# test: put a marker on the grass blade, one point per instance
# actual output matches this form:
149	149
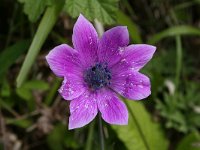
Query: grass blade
174	31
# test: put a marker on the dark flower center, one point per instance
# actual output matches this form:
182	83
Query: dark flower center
97	76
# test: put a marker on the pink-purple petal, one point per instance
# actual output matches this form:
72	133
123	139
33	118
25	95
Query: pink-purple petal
132	85
72	87
83	110
112	109
85	41
63	60
111	44
138	55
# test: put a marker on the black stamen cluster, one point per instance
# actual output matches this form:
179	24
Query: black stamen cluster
98	76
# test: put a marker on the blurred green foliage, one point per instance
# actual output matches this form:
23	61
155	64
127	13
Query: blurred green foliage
182	110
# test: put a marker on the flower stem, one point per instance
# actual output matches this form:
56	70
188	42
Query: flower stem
90	136
46	24
100	29
101	135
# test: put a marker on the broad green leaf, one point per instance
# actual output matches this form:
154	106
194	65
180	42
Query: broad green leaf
10	55
103	10
174	31
45	27
141	133
190	142
123	19
34	8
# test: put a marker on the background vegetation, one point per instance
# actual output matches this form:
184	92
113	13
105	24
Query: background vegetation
32	113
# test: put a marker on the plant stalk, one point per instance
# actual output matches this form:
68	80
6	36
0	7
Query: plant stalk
90	136
101	135
100	29
44	28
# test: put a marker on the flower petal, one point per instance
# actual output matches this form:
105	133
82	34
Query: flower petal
85	40
63	60
111	43
132	85
113	110
72	87
83	110
138	55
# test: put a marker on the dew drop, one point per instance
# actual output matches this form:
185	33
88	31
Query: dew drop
90	40
140	86
86	105
123	60
133	68
121	49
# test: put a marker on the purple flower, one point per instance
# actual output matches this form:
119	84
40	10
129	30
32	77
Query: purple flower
96	70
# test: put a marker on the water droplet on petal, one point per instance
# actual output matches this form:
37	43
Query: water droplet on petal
90	40
140	86
121	49
86	106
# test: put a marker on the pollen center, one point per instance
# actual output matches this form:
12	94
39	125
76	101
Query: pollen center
97	76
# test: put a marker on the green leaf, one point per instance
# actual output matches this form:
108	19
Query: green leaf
25	91
190	142
34	8
141	133
45	27
123	19
23	123
103	10
6	89
174	31
10	55
36	84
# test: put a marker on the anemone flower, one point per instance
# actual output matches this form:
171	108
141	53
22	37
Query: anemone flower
97	70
